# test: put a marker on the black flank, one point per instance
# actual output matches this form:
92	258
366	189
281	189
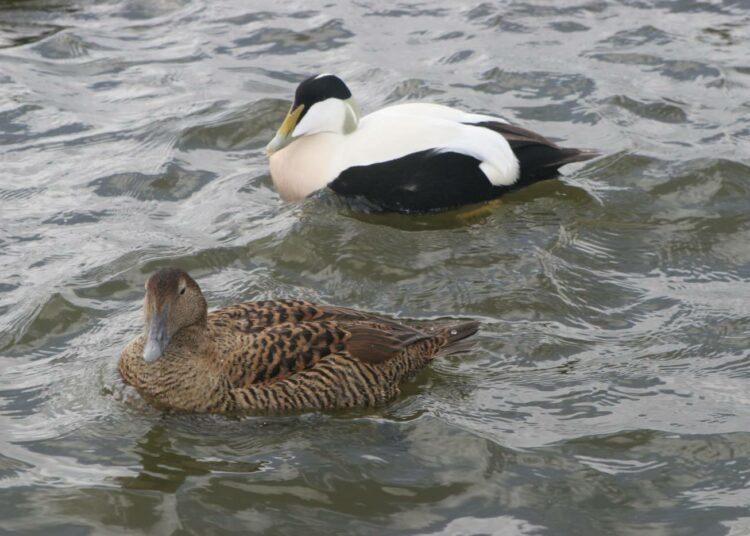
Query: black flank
419	182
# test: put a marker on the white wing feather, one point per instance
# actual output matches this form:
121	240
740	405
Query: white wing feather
400	130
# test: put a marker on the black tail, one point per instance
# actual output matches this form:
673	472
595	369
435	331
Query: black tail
538	157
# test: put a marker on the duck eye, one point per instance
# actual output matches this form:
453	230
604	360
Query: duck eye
182	291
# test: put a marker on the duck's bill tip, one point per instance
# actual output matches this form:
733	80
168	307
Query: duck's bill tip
152	351
275	144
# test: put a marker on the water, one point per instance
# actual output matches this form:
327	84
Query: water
608	390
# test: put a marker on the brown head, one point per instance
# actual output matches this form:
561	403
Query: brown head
173	302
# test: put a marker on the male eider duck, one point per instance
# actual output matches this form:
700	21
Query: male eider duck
270	356
406	158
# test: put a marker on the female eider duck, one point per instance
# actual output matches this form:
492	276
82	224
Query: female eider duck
406	158
270	356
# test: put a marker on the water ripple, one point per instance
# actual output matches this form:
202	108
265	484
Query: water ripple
607	389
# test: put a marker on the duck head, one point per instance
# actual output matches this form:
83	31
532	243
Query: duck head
173	301
322	103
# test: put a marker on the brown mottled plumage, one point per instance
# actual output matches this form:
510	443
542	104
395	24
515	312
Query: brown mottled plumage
270	356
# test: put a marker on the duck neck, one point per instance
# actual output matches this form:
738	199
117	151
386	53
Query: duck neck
195	339
351	118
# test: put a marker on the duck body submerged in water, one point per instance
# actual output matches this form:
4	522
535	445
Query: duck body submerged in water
407	157
271	356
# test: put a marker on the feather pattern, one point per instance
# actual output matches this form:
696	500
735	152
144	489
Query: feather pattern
284	355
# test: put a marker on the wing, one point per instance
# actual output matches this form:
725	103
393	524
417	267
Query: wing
253	317
464	167
539	158
401	131
250	317
371	343
278	352
417	158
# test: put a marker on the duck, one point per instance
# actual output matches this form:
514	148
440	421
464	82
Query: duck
413	157
272	356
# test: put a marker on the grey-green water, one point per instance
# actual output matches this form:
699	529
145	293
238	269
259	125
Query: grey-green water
608	392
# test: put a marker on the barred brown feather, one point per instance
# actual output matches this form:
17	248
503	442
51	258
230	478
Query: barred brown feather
276	355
